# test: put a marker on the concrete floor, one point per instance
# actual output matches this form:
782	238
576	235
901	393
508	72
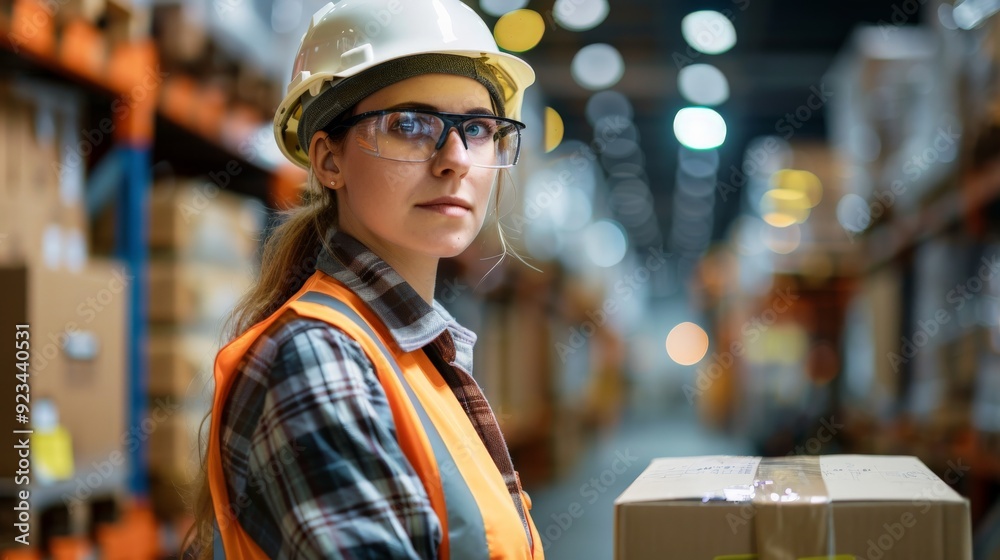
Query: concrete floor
593	485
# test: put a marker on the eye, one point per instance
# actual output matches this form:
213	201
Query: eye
410	125
480	129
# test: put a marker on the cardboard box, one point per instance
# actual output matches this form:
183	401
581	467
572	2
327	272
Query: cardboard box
792	508
42	214
89	10
180	32
196	220
42	233
174	459
173	444
31	146
180	364
77	351
194	294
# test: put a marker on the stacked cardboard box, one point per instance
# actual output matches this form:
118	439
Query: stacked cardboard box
203	242
77	332
42	212
74	305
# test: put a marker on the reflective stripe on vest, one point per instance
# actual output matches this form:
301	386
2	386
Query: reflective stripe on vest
218	551
466	532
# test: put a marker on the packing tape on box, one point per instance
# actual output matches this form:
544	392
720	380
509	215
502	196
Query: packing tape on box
790	499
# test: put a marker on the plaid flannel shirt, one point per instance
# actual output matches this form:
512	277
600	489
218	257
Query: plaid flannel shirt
309	448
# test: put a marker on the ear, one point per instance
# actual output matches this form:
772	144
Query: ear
324	154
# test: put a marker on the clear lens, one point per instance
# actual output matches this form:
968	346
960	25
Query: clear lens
414	136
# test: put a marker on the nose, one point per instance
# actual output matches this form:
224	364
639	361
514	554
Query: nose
452	158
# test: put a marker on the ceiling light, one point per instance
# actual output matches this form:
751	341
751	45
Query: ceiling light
580	15
497	8
703	84
700	128
519	31
708	31
597	66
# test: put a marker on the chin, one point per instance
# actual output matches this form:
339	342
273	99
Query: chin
449	251
447	248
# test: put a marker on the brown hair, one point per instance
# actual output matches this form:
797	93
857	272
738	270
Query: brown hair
288	260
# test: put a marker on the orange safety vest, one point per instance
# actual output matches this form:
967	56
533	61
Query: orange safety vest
466	490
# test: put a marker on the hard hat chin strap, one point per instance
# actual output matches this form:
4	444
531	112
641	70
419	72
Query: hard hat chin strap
318	112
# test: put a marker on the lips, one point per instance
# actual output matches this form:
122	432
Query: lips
447	201
448	206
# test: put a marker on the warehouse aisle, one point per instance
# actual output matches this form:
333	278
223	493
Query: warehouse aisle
576	515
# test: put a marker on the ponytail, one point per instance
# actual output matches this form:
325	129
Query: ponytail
288	260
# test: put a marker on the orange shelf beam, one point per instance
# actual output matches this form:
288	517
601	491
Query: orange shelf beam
134	72
83	50
32	28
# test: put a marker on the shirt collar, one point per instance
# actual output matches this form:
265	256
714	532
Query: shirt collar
411	321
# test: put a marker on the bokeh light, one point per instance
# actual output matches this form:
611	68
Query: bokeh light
554	129
703	84
597	66
580	15
780	219
572	210
605	243
698	163
520	30
783	240
608	104
853	213
708	31
699	128
799	181
687	344
784	207
497	8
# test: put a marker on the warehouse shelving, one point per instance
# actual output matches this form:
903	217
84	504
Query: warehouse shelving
969	196
173	119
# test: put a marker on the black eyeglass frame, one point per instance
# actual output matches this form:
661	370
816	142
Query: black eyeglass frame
450	120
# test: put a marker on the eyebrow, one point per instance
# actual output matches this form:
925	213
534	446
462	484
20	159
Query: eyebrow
428	107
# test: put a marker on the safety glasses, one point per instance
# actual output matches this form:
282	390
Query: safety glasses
416	135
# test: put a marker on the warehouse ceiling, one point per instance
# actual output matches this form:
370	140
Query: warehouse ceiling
782	51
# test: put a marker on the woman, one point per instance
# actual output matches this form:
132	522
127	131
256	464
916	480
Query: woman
346	423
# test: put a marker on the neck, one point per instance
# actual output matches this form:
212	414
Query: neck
419	271
420	274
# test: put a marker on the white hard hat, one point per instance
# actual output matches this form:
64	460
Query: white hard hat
348	37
